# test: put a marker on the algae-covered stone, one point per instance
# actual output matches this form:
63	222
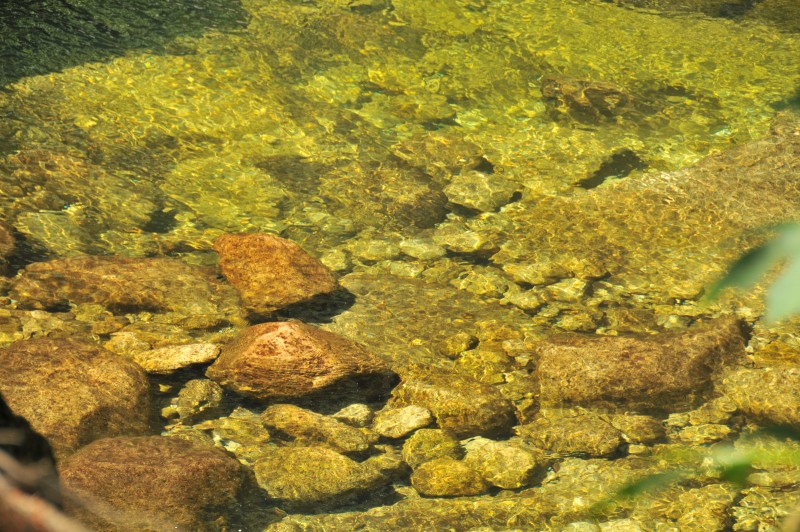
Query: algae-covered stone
399	422
151	483
503	464
446	477
307	427
271	272
427	444
292	359
479	191
169	359
241	433
572	431
768	395
311	478
128	285
462	405
198	397
355	415
665	372
638	429
73	392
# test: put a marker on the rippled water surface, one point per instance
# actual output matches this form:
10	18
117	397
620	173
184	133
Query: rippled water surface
523	155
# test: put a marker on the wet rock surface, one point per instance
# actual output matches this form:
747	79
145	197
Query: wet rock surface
169	359
572	431
73	391
191	295
766	395
399	422
427	444
667	371
446	477
292	359
308	428
504	464
313	478
461	405
271	272
152	483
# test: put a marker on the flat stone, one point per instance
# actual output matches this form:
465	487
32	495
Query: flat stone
503	464
307	427
355	415
152	483
312	478
166	360
568	431
481	192
399	422
125	285
292	359
271	272
668	371
73	392
447	477
460	404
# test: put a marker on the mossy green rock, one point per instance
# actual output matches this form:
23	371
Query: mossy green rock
428	444
311	478
308	428
447	477
461	405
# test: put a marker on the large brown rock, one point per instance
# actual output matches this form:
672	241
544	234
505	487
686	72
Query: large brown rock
292	359
151	483
124	285
73	392
271	272
461	405
669	371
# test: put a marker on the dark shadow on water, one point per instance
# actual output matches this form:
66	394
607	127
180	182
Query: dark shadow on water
321	308
41	36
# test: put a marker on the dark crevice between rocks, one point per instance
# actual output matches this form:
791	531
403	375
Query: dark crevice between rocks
161	221
619	165
25	252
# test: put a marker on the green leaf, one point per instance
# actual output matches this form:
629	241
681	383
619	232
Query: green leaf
783	297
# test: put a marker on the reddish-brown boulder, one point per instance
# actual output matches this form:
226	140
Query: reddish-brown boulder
123	285
292	359
271	272
73	392
151	483
667	371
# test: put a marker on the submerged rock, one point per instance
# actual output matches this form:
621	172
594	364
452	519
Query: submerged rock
504	464
447	477
669	371
292	359
572	431
6	241
399	422
73	392
271	272
169	359
313	478
460	404
128	285
428	444
198	397
151	483
767	395
307	427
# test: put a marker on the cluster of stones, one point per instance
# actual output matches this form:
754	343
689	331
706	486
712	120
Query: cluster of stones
443	432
